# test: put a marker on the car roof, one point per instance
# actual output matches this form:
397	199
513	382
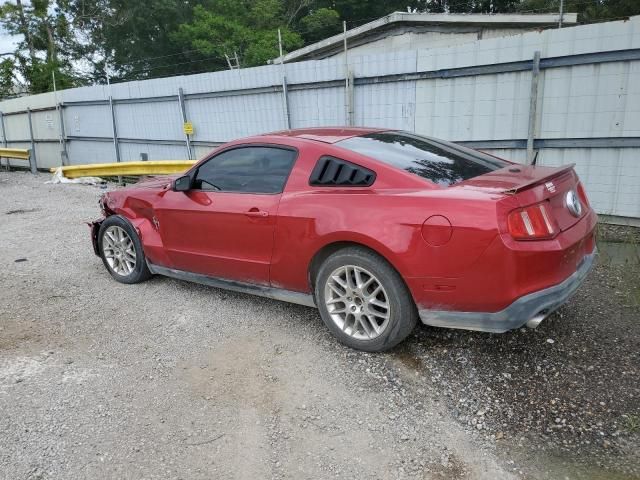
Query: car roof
327	134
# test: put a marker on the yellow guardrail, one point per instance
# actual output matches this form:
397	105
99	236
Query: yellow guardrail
17	153
125	169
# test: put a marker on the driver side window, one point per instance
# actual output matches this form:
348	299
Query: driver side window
247	169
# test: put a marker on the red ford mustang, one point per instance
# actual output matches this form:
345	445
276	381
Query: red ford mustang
375	228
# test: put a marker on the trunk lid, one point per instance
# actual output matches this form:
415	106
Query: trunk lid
531	184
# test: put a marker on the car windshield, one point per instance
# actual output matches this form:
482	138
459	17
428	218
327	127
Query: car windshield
441	162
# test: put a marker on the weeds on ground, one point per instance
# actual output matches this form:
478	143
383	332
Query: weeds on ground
632	423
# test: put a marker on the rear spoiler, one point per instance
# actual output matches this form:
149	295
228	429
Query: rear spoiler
538	179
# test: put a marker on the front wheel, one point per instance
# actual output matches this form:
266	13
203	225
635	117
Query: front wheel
363	300
121	251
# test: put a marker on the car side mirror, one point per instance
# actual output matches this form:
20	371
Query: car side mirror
182	184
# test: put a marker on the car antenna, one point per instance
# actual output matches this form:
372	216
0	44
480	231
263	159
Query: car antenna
535	157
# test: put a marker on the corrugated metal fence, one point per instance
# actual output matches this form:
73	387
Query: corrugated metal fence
571	94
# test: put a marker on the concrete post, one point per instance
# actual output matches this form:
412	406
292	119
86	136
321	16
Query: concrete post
4	139
183	110
350	99
348	85
32	154
64	153
533	106
285	100
114	128
285	103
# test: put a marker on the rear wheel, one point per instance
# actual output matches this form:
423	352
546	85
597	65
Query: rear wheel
364	301
121	251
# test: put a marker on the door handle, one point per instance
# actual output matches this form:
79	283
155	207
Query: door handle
254	212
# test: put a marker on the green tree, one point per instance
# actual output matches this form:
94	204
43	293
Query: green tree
359	12
43	51
132	39
589	11
247	28
7	79
321	23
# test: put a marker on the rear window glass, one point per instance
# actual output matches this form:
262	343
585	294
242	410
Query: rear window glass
441	162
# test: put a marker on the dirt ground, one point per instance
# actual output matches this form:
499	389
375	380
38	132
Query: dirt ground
167	379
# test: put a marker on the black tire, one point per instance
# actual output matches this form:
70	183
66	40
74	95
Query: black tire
140	272
403	314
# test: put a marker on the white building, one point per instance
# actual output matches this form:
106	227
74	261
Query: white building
416	31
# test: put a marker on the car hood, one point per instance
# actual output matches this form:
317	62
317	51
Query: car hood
159	182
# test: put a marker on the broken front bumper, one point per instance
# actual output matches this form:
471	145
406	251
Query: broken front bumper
95	228
526	308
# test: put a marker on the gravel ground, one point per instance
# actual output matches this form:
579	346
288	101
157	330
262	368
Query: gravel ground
167	379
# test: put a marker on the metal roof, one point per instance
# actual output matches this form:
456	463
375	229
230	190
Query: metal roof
396	20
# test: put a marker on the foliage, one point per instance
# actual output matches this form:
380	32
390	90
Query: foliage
43	50
589	11
632	423
248	29
320	23
7	86
130	39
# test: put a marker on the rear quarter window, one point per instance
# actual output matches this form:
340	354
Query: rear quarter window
441	162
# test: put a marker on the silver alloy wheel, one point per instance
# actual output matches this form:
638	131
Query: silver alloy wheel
357	302
119	250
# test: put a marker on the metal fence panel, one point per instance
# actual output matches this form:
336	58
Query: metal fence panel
131	151
474	108
221	119
16	128
155	121
590	101
319	106
201	151
48	154
83	152
46	125
386	105
87	121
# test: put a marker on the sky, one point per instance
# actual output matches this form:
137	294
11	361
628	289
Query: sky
7	42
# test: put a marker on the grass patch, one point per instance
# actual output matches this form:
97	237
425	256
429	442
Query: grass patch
631	423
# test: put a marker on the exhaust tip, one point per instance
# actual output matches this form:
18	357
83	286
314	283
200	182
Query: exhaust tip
535	321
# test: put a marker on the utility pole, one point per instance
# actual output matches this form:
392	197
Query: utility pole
348	82
64	155
561	13
280	46
114	126
285	102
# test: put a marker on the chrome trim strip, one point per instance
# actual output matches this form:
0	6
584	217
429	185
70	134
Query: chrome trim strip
519	312
242	287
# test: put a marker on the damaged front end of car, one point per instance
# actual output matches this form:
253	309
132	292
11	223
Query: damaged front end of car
95	224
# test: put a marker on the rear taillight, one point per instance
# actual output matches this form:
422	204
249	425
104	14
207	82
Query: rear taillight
582	195
532	223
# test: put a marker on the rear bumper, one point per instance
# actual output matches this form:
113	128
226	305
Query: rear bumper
542	302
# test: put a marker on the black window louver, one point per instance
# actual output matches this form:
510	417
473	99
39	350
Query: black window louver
331	171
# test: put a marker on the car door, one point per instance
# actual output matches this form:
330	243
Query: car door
224	226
